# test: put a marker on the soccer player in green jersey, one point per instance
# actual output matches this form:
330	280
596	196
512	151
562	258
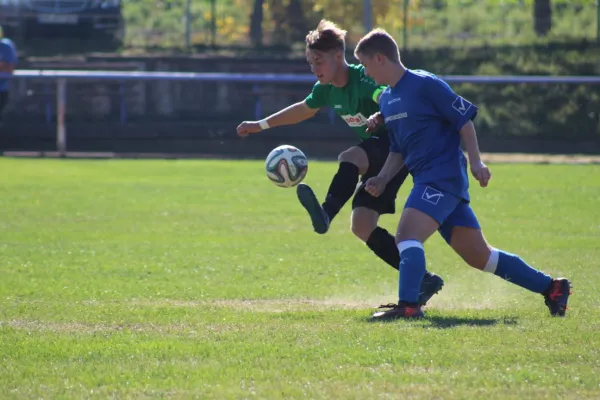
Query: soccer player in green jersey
354	97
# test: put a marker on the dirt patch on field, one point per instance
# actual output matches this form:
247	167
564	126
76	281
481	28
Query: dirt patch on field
540	158
88	328
193	330
268	305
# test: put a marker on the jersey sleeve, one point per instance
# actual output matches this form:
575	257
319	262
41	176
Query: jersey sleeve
317	98
368	88
452	107
9	53
394	146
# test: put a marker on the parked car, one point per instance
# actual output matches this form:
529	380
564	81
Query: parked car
39	18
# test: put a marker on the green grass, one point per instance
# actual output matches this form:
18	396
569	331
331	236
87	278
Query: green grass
201	279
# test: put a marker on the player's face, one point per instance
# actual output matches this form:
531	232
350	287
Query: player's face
373	67
323	64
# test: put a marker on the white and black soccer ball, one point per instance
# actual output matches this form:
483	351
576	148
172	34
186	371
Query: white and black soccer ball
286	166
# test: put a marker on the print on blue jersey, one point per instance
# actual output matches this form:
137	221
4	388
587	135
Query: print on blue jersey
461	105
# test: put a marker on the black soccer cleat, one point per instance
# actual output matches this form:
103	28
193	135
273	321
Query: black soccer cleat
320	220
430	285
557	296
398	311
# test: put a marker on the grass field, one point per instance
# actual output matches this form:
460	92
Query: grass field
201	279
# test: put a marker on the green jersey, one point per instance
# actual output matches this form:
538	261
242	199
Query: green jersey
355	102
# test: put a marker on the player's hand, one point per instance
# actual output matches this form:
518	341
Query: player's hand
374	122
375	186
247	127
481	172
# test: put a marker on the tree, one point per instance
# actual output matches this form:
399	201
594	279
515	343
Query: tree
350	14
256	20
542	17
297	20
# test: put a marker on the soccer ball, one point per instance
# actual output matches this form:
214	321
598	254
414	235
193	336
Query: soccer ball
286	166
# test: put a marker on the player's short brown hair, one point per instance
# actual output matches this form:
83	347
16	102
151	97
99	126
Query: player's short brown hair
378	41
328	36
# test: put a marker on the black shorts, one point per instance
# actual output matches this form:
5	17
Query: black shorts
3	101
377	149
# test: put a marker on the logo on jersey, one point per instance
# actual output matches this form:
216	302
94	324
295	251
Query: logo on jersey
394	100
337	106
355	121
461	105
395	117
432	195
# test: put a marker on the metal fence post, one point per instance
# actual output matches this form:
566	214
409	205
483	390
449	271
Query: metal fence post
405	27
122	105
213	23
47	92
368	15
257	104
188	25
61	110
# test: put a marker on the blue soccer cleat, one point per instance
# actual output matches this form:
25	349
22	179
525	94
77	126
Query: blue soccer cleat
320	220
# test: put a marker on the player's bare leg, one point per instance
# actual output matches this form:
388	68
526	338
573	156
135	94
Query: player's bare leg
414	229
471	245
364	226
352	163
363	222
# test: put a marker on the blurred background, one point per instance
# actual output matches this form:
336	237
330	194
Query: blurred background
447	37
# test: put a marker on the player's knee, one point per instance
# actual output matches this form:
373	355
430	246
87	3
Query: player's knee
356	156
471	246
362	227
476	256
480	260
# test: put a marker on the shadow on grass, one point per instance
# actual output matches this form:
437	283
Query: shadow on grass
440	322
445	322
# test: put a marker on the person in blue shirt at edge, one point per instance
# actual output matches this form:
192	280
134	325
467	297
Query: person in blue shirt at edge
427	121
8	60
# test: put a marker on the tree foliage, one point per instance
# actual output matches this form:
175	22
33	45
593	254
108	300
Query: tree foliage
425	23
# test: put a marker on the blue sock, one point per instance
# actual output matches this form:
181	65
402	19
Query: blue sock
511	268
412	270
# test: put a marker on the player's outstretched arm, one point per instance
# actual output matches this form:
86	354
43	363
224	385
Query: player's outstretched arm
288	116
479	170
376	185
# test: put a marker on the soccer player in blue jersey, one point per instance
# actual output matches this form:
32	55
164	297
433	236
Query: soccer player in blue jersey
8	59
427	121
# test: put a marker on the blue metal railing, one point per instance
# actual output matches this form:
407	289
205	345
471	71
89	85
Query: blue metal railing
62	77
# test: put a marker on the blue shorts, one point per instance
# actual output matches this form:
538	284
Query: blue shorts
447	209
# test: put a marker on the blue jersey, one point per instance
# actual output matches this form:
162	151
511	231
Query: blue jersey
8	54
424	117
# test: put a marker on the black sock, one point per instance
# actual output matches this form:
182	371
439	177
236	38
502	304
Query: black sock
341	189
384	246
